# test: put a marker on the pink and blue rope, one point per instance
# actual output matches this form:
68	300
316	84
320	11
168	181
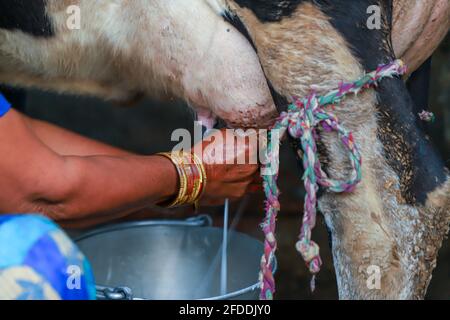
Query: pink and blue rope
427	116
302	121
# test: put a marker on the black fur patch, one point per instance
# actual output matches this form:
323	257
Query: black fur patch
408	150
349	17
28	16
270	10
419	86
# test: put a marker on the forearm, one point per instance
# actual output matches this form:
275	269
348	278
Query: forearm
105	188
34	178
65	142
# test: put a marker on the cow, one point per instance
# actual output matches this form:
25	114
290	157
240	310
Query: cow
242	61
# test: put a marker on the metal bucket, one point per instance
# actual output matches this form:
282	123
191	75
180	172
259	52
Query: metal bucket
171	260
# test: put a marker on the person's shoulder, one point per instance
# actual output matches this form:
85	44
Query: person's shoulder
15	97
4	105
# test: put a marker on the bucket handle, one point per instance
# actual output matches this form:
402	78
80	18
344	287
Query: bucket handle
202	220
119	293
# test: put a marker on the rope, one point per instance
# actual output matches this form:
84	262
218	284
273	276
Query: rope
302	121
427	116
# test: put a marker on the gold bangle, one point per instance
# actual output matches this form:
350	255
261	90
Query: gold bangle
189	163
185	162
181	176
203	178
192	185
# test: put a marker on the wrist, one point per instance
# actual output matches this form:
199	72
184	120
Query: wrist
169	181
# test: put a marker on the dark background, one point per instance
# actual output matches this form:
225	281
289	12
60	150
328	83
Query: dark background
147	127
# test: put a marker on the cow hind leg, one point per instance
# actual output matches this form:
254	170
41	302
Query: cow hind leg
395	220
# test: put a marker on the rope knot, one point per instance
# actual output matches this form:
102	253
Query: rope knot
309	251
427	116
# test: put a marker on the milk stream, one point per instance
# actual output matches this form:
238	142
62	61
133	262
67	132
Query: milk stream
224	260
218	262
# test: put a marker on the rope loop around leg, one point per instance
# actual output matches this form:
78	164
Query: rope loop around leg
302	121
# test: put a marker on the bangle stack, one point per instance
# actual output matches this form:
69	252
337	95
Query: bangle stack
192	177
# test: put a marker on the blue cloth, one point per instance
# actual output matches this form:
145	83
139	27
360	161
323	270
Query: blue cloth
39	261
4	105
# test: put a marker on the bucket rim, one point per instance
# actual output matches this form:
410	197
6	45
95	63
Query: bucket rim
198	221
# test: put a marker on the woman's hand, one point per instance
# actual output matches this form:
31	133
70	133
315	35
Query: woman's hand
231	166
79	182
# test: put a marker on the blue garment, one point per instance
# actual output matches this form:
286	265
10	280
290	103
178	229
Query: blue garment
4	105
39	262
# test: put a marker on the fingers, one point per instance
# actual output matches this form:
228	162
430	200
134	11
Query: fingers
218	192
230	147
234	173
245	173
